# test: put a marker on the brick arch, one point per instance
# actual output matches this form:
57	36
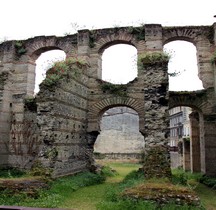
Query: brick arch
113	39
38	45
189	34
96	110
193	99
112	43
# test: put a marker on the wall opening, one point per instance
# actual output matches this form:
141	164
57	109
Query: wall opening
184	62
44	62
119	137
119	64
185	138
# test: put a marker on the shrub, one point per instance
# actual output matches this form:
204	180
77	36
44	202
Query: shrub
61	69
134	175
209	181
107	171
185	178
152	58
11	173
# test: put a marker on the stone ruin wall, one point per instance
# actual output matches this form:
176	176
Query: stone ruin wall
69	115
62	111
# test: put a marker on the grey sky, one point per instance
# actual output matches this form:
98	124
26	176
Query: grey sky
29	18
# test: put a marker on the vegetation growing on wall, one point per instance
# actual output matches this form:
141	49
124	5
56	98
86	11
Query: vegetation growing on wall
156	163
210	34
213	59
30	104
61	69
92	39
138	32
119	90
20	48
153	58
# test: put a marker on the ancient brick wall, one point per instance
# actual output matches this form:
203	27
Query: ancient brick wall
62	110
24	144
69	113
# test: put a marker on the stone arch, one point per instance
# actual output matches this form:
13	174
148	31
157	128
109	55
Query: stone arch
193	99
184	58
109	37
96	111
119	137
189	34
108	44
110	40
119	63
202	39
38	45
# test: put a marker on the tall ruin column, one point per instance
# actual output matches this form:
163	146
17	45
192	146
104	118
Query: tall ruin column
153	71
195	142
6	70
210	144
186	156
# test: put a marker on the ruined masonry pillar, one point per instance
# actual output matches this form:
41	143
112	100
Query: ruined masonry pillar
155	77
83	44
210	144
6	70
153	37
186	155
195	142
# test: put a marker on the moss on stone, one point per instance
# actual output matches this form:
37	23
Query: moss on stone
162	192
156	163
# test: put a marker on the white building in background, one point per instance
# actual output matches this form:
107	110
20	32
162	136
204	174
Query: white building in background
179	129
179	124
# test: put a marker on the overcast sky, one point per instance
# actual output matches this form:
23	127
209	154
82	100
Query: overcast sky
22	19
28	18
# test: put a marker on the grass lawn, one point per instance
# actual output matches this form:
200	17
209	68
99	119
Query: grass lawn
207	196
86	198
76	193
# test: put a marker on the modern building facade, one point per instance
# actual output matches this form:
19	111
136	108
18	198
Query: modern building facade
179	132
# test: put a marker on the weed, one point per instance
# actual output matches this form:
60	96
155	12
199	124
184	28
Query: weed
60	70
119	90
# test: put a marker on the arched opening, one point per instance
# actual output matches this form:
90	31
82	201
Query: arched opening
183	66
185	138
44	62
119	137
119	64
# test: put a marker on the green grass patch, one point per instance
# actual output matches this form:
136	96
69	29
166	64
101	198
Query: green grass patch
207	196
116	199
89	191
60	190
